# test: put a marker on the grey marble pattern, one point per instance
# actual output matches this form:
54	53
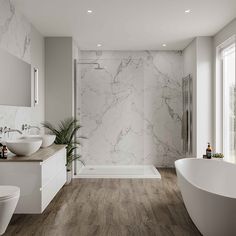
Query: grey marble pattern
15	38
14	31
131	110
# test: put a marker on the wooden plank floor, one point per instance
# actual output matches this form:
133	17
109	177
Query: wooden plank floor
111	207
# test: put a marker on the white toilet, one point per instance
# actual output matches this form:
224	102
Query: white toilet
9	196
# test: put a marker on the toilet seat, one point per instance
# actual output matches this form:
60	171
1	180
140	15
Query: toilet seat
7	192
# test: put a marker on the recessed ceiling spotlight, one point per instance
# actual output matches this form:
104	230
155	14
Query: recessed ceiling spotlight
89	11
163	45
99	45
187	11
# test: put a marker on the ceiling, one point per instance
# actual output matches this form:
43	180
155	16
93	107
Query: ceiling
129	24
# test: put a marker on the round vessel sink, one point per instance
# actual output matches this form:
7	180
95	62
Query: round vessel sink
24	147
47	139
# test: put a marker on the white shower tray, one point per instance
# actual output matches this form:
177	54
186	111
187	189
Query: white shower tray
119	172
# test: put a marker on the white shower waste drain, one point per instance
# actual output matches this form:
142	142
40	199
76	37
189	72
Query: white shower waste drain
119	172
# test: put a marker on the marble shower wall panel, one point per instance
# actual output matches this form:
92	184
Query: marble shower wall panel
14	38
131	110
113	127
14	31
163	108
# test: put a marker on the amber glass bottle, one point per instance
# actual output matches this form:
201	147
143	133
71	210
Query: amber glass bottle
209	151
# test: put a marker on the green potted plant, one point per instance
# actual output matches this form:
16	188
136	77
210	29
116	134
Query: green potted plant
218	156
65	133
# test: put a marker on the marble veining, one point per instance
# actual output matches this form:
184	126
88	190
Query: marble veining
131	110
15	33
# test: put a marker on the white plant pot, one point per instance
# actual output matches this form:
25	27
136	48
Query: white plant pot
69	177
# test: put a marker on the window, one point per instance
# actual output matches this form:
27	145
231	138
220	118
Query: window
229	101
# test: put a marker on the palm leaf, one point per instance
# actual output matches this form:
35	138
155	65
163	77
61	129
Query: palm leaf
51	128
66	134
74	131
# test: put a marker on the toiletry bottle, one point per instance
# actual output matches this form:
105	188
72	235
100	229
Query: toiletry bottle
209	151
1	147
4	151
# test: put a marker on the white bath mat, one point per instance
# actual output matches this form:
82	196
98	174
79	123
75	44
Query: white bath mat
119	172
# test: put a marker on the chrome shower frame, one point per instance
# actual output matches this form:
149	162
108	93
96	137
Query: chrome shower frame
75	97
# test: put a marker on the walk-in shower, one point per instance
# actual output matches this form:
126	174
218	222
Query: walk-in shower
85	90
130	112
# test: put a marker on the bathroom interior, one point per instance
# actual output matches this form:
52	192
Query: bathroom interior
117	117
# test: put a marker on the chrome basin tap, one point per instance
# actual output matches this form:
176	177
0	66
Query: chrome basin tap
29	127
9	130
33	127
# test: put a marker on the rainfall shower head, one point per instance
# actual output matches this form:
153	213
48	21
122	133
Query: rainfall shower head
98	66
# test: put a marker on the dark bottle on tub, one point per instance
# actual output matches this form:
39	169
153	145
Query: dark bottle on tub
1	147
209	151
4	151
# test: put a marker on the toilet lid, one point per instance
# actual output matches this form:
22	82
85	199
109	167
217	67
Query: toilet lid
7	192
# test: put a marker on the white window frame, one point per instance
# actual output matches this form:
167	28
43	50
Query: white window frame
220	96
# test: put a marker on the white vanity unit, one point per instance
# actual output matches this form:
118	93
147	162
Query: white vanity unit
39	177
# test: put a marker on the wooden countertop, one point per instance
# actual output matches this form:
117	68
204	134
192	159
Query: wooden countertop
41	155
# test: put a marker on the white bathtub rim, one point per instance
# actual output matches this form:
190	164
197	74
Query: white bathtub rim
197	186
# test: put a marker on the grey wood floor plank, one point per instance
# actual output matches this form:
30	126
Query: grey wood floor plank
110	207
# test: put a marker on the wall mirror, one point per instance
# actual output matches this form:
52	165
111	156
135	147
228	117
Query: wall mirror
15	81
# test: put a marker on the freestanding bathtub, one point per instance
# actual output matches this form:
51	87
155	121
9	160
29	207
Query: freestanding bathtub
208	188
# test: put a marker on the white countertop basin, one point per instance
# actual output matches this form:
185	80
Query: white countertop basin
47	139
24	147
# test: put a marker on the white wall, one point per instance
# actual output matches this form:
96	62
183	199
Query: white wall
20	38
204	93
59	78
198	63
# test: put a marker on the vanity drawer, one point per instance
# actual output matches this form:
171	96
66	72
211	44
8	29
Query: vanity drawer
53	166
39	181
49	191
